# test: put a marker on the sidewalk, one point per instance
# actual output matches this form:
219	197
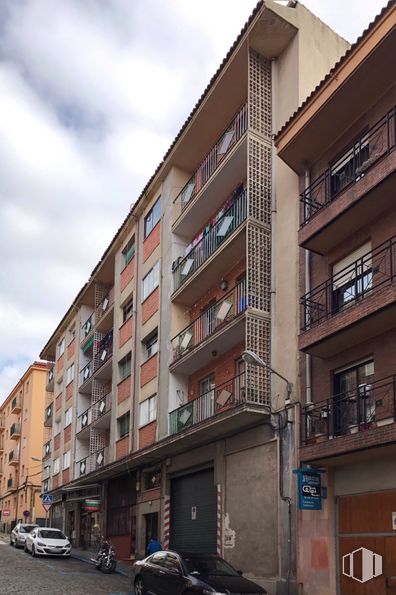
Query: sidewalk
123	568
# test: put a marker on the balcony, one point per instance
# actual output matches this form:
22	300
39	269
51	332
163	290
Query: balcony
102	360
15	431
16	405
357	303
350	421
87	330
48	415
1	445
10	484
50	380
92	462
1	470
228	158
202	267
217	329
103	317
101	412
85	384
2	423
46	485
13	458
47	449
83	423
353	191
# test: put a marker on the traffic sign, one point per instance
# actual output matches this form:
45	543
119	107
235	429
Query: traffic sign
47	500
6	512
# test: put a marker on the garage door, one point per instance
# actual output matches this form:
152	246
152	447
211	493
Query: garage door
367	544
193	513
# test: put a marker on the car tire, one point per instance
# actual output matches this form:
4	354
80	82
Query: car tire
25	548
139	586
33	552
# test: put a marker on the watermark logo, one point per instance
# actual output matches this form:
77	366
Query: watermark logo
362	565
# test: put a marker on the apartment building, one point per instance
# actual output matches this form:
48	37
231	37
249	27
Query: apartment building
21	444
158	424
341	142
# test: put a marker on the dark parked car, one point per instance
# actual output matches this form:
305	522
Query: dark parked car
169	573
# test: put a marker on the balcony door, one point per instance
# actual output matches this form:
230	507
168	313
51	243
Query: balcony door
206	401
352	277
353	401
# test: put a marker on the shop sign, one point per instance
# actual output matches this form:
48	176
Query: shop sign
91	505
309	490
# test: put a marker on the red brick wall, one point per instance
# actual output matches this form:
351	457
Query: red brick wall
60	363
58	402
126	331
147	434
122	447
150	305
67	434
71	348
152	241
148	370
124	389
57	441
216	293
148	495
127	274
55	481
69	390
65	476
223	367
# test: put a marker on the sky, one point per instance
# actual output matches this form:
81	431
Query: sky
92	93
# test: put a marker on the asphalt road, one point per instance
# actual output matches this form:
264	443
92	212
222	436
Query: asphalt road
20	574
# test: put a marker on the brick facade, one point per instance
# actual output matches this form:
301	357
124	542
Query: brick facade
58	402
57	441
71	349
127	274
55	481
69	390
126	331
122	447
65	476
150	305
148	370
151	242
124	389
67	434
60	363
147	434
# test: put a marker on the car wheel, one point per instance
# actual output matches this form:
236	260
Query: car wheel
25	548
33	551
139	586
11	544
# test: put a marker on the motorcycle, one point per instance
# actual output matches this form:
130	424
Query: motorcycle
105	557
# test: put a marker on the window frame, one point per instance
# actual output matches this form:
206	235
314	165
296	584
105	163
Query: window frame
56	466
150	338
154	214
70	377
68	415
61	347
151	404
66	455
124	419
121	364
155	272
128	304
128	252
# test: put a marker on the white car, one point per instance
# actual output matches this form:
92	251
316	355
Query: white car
19	532
46	541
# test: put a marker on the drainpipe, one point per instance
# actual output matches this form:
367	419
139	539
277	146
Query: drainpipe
308	357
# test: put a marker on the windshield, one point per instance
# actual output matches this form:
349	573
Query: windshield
26	528
207	565
51	534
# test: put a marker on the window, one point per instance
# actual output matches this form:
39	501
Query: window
151	480
123	425
152	218
150	281
68	417
57	427
158	559
148	411
352	277
72	334
354	402
56	466
70	374
150	344
61	347
66	459
127	310
129	251
124	367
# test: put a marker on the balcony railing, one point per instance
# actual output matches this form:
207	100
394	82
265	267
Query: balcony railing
9	483
87	327
350	167
1	444
105	305
210	242
215	317
47	449
48	414
362	408
102	407
86	372
105	350
220	398
16	404
92	462
84	420
15	430
2	422
13	457
212	161
361	278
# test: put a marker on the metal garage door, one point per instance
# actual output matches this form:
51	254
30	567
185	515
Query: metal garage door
193	513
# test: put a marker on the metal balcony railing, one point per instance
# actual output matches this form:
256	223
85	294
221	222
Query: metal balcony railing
371	272
13	456
86	372
1	444
87	327
47	449
16	404
48	414
215	317
223	396
210	242
105	350
15	429
105	305
92	462
102	406
350	167
2	422
84	420
349	412
212	161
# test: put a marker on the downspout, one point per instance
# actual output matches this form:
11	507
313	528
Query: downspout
308	356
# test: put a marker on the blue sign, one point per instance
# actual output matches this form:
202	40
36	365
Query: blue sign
47	498
309	490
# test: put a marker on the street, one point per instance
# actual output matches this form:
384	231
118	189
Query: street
23	575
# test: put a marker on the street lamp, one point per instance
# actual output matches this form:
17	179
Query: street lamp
250	357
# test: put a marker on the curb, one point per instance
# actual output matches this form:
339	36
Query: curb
82	559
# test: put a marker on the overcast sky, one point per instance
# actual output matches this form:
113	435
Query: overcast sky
92	93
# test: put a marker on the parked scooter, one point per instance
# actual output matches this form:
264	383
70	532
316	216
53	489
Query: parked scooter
105	558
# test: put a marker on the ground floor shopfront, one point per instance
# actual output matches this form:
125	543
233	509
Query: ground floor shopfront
349	547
